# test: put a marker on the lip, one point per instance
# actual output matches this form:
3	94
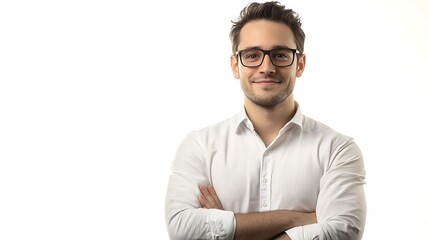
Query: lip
266	82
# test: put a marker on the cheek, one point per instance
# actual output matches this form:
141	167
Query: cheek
290	73
245	73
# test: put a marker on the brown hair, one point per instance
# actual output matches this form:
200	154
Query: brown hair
273	11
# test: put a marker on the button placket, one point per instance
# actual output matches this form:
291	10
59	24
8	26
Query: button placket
265	186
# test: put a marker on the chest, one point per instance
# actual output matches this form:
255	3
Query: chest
248	178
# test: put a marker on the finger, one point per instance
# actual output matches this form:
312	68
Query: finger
201	200
209	200
212	192
203	190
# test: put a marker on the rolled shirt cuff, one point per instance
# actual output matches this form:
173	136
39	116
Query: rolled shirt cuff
307	232
221	224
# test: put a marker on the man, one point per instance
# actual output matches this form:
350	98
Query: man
269	172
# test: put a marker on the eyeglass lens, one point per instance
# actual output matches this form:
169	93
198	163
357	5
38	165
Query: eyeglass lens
255	57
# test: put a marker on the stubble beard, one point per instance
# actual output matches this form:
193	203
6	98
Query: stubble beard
269	102
266	102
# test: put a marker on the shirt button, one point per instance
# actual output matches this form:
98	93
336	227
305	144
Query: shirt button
264	205
265	180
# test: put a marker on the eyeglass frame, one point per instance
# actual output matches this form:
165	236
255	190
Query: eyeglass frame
267	52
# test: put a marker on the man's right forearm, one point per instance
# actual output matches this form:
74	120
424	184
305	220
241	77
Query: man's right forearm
258	225
266	225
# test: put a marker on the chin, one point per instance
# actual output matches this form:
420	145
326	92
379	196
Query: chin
271	102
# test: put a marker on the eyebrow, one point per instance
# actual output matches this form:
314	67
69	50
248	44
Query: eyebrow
274	47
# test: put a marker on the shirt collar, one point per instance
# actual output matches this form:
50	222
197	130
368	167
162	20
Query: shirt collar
297	120
243	121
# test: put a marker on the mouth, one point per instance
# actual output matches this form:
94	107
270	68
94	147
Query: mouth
266	81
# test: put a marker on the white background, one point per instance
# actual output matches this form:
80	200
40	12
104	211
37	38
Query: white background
95	97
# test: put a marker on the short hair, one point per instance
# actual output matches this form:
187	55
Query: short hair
273	11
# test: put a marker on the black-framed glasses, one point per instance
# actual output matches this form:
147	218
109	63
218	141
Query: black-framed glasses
279	57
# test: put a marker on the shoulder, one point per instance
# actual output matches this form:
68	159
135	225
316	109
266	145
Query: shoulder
216	131
325	133
336	148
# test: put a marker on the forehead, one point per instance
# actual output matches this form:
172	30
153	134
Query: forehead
266	34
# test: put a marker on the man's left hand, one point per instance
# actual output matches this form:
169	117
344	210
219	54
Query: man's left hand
208	198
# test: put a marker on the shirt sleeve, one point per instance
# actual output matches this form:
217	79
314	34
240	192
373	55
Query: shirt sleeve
341	204
185	219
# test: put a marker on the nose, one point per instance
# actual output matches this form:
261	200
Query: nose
267	66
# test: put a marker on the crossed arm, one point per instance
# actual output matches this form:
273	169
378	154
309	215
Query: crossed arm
341	206
258	225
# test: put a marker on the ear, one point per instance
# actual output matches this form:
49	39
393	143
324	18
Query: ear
234	67
300	66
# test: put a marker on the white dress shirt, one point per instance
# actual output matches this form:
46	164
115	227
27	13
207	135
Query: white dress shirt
308	167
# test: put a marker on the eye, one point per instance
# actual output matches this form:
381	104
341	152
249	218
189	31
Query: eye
252	55
281	55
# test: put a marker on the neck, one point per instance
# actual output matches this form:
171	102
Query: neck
268	121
